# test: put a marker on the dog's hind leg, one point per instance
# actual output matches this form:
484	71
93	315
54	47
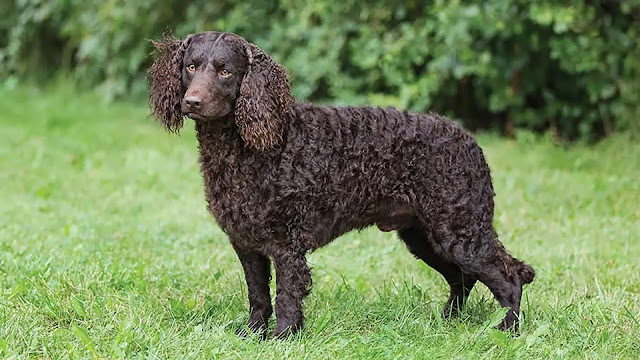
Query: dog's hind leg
460	283
486	259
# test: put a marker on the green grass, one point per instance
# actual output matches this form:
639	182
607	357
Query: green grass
106	250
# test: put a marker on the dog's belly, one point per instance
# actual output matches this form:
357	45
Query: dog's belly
386	214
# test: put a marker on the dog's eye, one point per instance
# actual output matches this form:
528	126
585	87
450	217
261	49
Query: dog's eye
224	72
191	68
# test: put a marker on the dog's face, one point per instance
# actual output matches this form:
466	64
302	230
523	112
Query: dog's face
222	79
213	67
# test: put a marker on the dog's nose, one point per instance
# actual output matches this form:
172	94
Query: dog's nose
193	101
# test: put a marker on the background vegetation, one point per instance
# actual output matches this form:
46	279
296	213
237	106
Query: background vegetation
572	67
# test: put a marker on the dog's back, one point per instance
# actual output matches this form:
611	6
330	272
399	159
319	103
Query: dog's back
354	164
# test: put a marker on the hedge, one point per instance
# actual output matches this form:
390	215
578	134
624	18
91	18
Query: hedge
571	67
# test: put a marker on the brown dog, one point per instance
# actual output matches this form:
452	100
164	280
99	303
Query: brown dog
283	178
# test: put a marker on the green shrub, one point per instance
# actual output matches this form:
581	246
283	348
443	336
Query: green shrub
571	67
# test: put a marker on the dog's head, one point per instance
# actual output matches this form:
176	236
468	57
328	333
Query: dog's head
220	78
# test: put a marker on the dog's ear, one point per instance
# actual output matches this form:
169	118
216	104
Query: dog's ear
265	100
165	82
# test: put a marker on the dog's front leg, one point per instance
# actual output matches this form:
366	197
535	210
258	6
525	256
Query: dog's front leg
293	283
257	273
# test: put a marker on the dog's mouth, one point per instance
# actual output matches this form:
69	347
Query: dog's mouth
196	116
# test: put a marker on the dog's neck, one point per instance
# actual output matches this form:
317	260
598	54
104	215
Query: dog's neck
222	137
217	141
228	166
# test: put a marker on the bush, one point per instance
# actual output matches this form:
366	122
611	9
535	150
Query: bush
570	67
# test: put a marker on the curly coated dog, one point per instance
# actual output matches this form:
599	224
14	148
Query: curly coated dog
283	178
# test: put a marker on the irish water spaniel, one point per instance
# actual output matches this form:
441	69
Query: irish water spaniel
283	178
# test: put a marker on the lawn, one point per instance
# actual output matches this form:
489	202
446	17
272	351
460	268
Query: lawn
107	251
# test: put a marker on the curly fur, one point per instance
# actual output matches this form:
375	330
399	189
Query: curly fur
167	89
286	178
265	99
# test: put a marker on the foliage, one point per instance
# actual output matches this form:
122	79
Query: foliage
107	251
572	67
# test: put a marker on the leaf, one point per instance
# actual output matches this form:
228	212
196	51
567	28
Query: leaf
500	338
83	336
177	307
4	346
17	290
216	277
78	307
323	322
496	318
533	337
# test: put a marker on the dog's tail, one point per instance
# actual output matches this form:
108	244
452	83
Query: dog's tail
515	267
525	271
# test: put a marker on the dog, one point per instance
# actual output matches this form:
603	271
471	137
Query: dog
283	178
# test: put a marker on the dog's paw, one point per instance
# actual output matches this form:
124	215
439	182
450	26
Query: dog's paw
259	329
283	332
510	323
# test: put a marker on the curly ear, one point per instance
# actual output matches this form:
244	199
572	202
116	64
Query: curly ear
265	100
165	77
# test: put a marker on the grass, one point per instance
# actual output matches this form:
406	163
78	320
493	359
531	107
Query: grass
107	251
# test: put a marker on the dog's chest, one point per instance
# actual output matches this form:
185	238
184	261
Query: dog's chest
241	195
